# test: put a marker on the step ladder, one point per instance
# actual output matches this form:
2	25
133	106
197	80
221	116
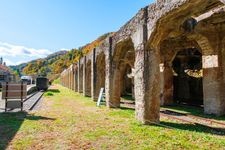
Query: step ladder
101	97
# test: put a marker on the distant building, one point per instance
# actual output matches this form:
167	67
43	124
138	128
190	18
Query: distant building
1	60
5	73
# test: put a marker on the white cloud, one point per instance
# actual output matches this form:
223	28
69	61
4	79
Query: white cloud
7	49
64	49
8	62
16	54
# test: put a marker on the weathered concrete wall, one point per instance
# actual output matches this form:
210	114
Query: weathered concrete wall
154	35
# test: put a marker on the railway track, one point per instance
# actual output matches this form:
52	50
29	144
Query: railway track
212	124
192	117
32	100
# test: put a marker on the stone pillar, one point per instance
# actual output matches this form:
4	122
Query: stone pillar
72	77
84	76
93	76
166	93
147	87
116	87
65	82
213	81
109	74
80	78
75	79
62	79
146	77
66	78
69	74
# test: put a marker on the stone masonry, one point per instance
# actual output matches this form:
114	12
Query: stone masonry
146	46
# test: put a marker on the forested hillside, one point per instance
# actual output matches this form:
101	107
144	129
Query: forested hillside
54	64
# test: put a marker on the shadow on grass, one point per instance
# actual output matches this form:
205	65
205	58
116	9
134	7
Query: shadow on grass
195	111
126	108
53	90
194	128
10	123
188	127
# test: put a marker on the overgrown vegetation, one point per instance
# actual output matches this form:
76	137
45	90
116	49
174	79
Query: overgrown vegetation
68	120
90	46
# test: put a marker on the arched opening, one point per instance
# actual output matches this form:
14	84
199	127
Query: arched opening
88	79
187	80
123	62
127	82
169	26
100	74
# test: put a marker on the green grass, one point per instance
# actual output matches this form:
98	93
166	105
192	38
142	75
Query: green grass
68	120
49	94
56	81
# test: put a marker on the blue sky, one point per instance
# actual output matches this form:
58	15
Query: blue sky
31	29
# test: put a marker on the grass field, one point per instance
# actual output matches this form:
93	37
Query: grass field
68	120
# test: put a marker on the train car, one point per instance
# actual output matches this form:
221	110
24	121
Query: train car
42	83
26	79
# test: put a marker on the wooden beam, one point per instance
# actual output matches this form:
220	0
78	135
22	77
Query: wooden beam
210	13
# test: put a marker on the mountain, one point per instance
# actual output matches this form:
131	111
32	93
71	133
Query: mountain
31	67
56	54
18	67
55	63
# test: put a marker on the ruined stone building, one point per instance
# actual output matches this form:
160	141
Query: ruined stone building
171	51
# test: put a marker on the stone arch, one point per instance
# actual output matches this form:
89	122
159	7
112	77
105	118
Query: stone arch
212	44
169	49
171	26
211	34
123	63
165	20
100	74
171	22
127	84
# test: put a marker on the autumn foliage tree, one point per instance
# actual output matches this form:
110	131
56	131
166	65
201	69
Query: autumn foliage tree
55	65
